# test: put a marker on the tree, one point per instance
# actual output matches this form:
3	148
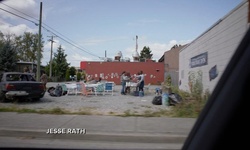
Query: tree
7	56
27	47
67	75
1	40
61	64
78	76
72	71
145	54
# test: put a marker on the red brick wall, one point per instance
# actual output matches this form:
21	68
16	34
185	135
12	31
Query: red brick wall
110	71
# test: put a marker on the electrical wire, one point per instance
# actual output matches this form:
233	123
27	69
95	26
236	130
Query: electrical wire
72	44
19	16
67	41
20	12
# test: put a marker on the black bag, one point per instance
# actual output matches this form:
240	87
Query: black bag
174	99
51	89
56	91
136	93
157	100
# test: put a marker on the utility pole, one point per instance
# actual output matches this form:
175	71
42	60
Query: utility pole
51	51
38	73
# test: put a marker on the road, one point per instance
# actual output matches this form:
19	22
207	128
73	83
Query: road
79	144
111	132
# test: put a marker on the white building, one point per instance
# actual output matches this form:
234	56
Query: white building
204	59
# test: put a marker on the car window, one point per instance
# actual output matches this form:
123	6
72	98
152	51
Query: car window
31	78
13	77
24	78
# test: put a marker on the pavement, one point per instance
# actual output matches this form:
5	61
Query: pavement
96	128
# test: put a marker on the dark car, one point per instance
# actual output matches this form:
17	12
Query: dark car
17	85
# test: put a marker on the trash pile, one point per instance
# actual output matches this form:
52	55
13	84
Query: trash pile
172	98
57	91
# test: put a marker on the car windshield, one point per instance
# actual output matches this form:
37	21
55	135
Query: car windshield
19	77
111	74
13	77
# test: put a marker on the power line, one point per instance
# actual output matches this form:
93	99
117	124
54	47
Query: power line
20	16
67	41
20	11
75	45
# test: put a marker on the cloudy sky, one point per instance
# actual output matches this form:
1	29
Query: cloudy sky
88	28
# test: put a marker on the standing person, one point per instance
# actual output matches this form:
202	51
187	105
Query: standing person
141	81
34	71
127	85
124	79
44	78
138	78
26	69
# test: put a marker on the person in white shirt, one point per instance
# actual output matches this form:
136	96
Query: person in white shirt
124	79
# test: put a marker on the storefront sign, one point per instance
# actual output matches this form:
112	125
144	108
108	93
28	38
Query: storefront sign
199	60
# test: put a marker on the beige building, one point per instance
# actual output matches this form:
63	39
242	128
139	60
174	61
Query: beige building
203	61
171	64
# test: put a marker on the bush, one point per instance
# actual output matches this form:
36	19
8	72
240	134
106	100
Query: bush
191	105
67	75
78	76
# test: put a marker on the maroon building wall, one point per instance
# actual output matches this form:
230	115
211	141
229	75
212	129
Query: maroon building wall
110	71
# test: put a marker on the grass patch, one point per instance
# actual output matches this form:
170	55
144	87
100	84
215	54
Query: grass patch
130	102
146	113
85	111
111	113
8	109
57	111
128	113
146	106
191	106
19	110
188	108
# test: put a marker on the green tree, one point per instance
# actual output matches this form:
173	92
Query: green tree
67	75
72	71
46	69
27	47
145	54
1	40
78	76
7	55
61	64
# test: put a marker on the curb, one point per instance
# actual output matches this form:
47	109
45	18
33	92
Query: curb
97	136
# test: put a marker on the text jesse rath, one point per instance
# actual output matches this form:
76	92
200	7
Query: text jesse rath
66	131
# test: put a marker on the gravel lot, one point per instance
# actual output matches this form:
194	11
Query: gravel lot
101	105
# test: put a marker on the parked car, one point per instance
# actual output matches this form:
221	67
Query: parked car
17	85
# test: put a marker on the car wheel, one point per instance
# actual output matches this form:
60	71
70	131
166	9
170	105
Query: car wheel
3	99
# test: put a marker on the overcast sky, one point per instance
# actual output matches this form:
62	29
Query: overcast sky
88	28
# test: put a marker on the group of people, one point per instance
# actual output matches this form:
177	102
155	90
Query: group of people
126	77
43	78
